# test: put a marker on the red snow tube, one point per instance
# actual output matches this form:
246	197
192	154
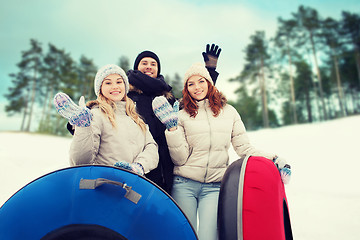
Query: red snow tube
252	202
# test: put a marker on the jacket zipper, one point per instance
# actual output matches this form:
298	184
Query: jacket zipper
208	160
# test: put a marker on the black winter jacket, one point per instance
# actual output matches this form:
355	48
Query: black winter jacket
143	89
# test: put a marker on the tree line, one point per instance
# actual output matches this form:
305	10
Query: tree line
309	71
41	75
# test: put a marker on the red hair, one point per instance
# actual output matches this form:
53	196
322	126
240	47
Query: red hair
216	100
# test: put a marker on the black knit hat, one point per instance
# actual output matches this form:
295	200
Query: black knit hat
147	54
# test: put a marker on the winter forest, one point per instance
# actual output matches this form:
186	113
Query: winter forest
309	71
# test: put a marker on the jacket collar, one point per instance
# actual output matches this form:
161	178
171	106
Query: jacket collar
121	107
203	103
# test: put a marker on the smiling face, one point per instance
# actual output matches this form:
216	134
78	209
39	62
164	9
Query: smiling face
113	87
148	66
197	87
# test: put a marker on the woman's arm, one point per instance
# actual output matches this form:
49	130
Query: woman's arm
86	142
149	157
178	146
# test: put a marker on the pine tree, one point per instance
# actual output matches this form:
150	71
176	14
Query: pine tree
18	96
350	29
124	63
257	63
331	35
285	34
23	94
350	80
177	85
86	71
308	21
58	74
303	83
248	107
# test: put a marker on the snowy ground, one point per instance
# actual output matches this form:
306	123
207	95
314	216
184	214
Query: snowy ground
323	195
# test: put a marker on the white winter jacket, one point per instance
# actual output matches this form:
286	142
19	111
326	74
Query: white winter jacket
102	144
199	147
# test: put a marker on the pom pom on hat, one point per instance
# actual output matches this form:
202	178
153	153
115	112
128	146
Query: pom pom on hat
198	69
105	71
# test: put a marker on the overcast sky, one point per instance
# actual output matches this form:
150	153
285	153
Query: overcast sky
177	30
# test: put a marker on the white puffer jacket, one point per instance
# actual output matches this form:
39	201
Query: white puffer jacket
199	147
102	144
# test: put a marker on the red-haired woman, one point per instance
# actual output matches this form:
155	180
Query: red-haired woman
199	137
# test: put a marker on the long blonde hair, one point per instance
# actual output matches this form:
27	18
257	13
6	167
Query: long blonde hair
108	107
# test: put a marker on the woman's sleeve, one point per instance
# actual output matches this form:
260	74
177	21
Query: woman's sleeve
213	74
85	144
149	157
178	146
241	142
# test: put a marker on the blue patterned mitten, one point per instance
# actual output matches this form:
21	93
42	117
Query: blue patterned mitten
284	169
165	113
134	167
77	115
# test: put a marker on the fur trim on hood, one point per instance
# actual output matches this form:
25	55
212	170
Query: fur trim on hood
166	94
92	103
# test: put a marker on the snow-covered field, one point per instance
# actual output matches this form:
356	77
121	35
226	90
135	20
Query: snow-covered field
323	194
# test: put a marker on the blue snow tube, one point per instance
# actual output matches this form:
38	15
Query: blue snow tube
93	202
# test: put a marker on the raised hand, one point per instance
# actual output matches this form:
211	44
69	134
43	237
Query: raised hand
77	115
167	114
211	55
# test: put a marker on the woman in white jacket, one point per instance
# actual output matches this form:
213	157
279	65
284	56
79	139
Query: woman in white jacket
199	138
110	132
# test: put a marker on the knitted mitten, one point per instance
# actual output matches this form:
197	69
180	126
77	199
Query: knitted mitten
211	55
134	167
284	169
164	112
77	115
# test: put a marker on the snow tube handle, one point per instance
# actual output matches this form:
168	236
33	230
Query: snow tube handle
94	183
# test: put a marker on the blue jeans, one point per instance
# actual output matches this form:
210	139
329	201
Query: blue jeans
198	201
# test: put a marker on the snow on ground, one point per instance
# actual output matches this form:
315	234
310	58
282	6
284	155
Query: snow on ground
323	194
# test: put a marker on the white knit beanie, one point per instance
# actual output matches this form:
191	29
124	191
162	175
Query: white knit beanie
198	69
105	71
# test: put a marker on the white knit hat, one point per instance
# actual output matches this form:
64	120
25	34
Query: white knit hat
105	71
198	69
